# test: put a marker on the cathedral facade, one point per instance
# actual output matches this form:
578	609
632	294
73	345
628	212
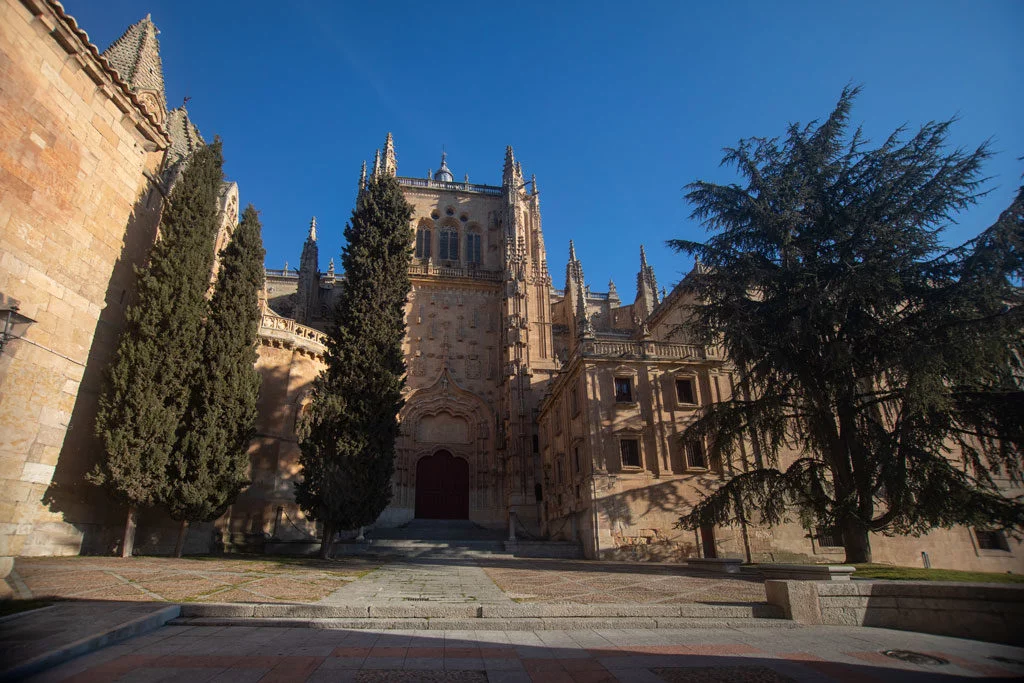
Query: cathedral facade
533	405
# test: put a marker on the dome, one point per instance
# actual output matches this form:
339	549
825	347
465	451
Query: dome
444	174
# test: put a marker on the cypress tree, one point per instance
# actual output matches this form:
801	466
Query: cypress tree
148	388
348	436
210	467
890	364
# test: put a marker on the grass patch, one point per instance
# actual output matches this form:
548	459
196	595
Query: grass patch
8	607
884	571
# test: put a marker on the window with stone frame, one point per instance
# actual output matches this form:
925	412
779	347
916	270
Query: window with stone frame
686	391
991	539
629	450
574	400
473	254
448	245
578	467
623	389
696	457
423	243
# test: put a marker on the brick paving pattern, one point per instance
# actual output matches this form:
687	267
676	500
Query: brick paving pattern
266	654
185	580
586	582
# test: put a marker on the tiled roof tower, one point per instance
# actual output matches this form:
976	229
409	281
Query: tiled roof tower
136	57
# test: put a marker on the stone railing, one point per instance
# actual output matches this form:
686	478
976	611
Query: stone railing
287	332
456	272
648	349
491	190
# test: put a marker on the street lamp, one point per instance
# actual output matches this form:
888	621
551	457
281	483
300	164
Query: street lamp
14	325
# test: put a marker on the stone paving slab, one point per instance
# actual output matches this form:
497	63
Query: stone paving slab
35	640
822	653
214	579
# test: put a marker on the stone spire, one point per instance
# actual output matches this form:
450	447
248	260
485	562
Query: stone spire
646	288
613	293
511	175
533	182
362	178
136	57
376	165
390	160
306	297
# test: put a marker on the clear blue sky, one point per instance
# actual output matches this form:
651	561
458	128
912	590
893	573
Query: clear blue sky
615	106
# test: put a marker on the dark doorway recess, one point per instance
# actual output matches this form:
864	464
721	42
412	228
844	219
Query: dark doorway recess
442	487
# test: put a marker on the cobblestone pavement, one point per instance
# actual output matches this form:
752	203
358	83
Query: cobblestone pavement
185	580
266	654
421	579
610	582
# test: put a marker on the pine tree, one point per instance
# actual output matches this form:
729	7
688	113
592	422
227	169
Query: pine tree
148	388
348	439
210	467
891	365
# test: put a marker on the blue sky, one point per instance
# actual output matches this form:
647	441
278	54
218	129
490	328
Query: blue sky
614	106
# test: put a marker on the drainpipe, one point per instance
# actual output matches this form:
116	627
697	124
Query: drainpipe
593	507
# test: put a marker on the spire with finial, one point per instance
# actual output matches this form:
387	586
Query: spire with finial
646	288
533	182
390	160
309	276
509	172
444	174
613	293
330	267
136	58
362	177
312	230
376	165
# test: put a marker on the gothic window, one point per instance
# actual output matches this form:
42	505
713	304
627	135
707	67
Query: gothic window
576	459
686	391
473	248
423	243
695	457
449	245
623	390
629	449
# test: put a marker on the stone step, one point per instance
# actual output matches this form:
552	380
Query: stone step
437	609
490	623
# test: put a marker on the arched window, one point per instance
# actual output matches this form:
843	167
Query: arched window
449	245
473	248
423	243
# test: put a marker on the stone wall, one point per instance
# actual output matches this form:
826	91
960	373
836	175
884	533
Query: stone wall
77	211
992	612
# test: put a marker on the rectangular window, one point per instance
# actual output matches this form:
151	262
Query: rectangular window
623	390
576	458
449	245
991	540
829	537
423	243
574	401
473	248
630	451
695	456
686	393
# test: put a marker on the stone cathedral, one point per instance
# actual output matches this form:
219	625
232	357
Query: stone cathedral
533	404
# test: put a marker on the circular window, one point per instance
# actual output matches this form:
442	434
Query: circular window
435	214
450	211
463	218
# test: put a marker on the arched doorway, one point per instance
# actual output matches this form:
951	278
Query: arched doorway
442	487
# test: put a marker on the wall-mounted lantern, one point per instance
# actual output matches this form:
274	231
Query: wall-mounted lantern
13	325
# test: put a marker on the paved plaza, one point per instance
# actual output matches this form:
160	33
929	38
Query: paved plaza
141	639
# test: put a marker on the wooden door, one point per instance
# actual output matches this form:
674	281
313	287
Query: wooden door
442	487
707	540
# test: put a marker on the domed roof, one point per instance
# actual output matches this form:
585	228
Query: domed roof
444	174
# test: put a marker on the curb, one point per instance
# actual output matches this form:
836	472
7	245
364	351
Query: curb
488	624
121	632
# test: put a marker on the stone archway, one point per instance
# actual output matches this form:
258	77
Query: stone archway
442	487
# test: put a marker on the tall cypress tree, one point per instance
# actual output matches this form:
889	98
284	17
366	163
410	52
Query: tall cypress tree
148	388
211	465
348	438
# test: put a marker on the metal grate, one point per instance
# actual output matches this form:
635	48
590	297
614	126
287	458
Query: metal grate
829	537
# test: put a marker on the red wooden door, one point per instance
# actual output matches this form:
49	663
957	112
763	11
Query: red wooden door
442	487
